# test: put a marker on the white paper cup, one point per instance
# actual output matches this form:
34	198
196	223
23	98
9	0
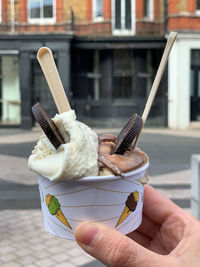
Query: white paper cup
98	199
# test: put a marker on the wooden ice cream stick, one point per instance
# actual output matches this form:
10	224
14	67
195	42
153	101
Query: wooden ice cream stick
159	74
157	79
47	63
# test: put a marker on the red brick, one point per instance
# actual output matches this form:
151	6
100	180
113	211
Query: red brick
172	6
89	10
4	11
59	10
191	6
139	9
184	23
107	9
23	10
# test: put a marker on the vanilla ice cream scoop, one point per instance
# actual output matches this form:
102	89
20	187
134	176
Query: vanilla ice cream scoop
77	158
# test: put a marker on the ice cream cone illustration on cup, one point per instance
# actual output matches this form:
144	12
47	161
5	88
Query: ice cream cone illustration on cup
131	204
54	208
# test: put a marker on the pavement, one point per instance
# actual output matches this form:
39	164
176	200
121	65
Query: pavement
24	242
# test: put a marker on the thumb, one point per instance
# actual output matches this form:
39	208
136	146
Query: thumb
113	248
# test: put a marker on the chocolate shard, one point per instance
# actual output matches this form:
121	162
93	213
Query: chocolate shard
107	138
112	167
47	125
128	134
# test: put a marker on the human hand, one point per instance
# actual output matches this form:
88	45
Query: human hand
168	236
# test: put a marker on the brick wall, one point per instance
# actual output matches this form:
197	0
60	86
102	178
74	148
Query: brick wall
182	16
63	19
154	27
88	26
184	23
84	24
79	7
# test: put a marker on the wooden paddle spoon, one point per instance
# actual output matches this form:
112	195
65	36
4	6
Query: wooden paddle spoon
47	63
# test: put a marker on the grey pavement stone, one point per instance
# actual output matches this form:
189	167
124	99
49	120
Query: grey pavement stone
12	264
61	257
81	260
21	244
45	262
67	264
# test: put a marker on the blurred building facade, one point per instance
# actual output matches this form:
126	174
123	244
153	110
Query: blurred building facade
184	64
107	53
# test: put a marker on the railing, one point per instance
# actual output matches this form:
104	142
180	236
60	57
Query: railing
21	22
77	20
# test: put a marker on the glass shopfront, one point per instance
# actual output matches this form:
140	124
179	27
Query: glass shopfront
113	84
10	97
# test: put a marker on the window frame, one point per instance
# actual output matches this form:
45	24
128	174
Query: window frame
150	16
123	30
197	11
41	20
94	8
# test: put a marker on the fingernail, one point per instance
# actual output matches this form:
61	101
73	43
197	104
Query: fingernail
86	233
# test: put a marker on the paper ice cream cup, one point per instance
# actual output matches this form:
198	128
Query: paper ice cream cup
111	200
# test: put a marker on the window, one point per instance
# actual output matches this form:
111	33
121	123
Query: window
122	74
198	7
149	9
123	16
198	4
97	10
94	78
41	11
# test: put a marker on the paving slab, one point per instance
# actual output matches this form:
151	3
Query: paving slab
24	242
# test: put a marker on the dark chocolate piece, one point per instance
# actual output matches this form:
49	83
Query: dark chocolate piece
128	134
47	125
131	202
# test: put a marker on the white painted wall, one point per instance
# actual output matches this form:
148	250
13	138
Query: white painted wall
179	80
195	189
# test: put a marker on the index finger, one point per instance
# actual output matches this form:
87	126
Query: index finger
156	206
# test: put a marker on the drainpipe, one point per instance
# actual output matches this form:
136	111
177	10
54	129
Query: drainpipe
165	17
12	4
72	18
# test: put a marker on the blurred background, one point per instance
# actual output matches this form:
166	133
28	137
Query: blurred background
107	53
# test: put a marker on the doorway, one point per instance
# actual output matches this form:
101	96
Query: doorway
195	86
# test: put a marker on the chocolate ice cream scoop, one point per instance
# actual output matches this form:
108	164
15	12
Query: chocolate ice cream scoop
116	163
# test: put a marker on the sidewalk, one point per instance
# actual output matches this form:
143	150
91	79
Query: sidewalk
24	241
8	136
